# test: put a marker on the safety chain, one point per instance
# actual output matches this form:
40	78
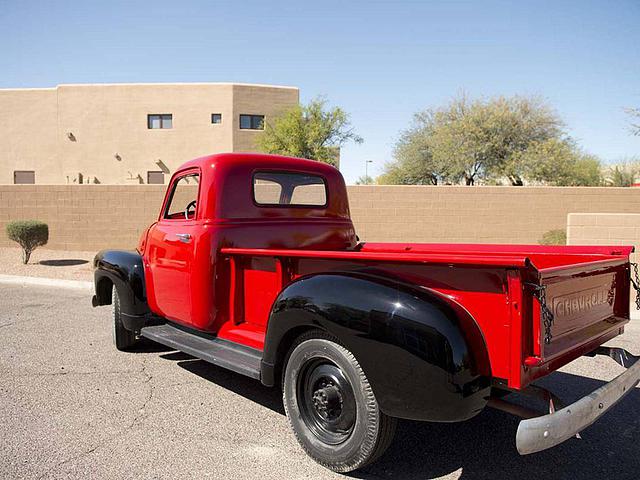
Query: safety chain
540	292
635	281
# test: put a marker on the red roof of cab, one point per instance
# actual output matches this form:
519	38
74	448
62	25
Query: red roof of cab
228	179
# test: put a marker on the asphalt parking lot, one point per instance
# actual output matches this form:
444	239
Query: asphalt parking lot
71	406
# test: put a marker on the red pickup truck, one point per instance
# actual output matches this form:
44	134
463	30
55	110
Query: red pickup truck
254	265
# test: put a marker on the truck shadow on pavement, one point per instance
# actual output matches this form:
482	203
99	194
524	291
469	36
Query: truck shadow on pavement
246	387
483	447
147	346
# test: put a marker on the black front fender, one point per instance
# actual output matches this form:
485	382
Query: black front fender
124	270
424	356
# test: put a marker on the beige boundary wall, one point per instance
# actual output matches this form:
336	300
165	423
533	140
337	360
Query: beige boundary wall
90	217
477	214
605	229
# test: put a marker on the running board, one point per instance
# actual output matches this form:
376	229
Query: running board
226	354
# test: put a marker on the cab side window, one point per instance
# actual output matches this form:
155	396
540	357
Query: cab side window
183	202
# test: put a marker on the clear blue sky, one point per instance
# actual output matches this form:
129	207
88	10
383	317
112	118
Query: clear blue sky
380	61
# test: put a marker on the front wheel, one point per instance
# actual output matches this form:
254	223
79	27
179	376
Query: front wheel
122	338
331	406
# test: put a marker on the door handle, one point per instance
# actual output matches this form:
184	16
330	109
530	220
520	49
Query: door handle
183	237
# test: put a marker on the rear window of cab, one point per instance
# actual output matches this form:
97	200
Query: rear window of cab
289	189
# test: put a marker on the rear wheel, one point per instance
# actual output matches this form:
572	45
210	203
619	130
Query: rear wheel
122	338
331	406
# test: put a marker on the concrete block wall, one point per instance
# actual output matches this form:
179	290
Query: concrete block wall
476	214
91	217
83	217
605	229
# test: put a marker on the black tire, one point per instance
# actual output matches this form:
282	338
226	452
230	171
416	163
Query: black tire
123	339
331	406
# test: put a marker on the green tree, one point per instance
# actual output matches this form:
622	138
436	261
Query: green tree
559	162
414	162
309	131
474	140
480	138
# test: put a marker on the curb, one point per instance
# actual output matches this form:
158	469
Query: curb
45	282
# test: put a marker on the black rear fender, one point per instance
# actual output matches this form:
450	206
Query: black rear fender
125	271
423	355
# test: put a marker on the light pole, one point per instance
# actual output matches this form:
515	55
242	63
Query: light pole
366	170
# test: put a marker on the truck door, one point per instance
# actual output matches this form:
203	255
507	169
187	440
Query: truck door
170	250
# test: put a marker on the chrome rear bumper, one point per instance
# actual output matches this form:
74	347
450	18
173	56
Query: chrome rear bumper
539	433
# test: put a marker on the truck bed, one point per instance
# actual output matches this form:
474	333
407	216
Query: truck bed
498	285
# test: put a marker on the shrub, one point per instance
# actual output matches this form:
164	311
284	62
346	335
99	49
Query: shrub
554	237
29	234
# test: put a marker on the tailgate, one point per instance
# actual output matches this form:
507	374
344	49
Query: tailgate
589	303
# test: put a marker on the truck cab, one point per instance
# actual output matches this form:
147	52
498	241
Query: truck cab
243	202
254	265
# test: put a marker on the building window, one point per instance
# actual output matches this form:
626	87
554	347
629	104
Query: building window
155	178
162	121
24	177
252	122
216	118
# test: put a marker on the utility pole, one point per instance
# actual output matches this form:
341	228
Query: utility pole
366	170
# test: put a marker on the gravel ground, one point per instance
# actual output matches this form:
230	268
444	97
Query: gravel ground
74	407
67	265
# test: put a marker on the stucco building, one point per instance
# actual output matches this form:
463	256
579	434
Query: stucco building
127	133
